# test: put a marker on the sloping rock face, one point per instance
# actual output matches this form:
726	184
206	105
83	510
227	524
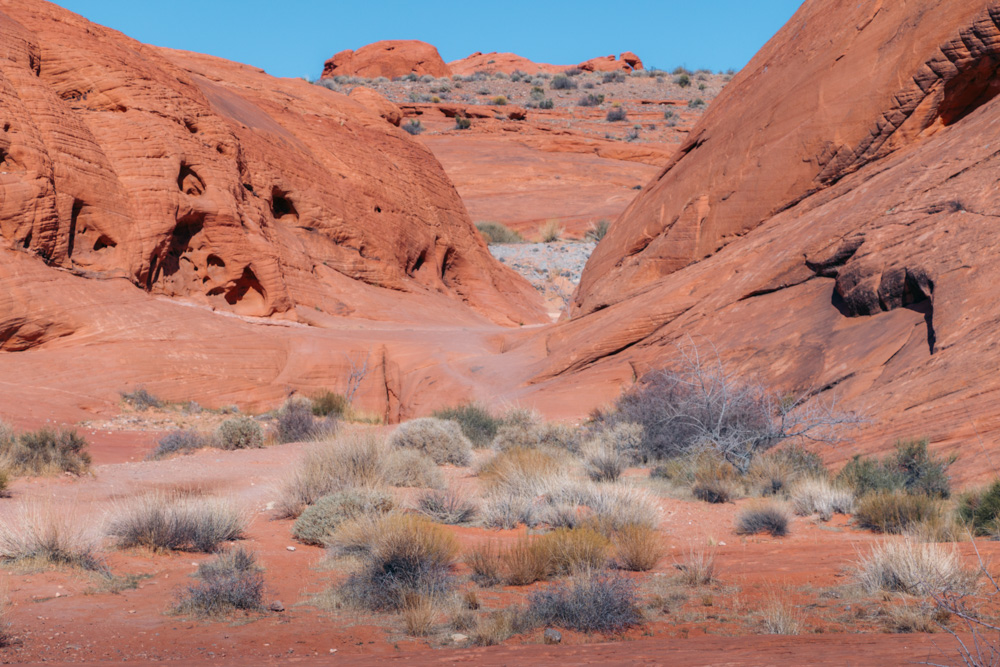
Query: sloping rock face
389	59
197	178
508	63
627	62
832	224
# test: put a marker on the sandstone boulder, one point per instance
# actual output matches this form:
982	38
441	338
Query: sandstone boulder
390	59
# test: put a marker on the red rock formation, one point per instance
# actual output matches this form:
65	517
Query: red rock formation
389	59
199	178
627	62
830	228
377	104
508	63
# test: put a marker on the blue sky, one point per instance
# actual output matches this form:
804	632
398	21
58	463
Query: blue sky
295	37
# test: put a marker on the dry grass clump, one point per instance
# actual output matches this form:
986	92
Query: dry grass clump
617	507
522	470
172	522
698	568
768	518
485	561
774	472
604	463
573	550
819	496
230	582
778	617
43	452
525	429
406	556
449	507
496	233
637	548
503	509
907	617
597	601
525	561
319	521
907	566
239	433
499	626
895	511
412	468
356	459
42	536
551	232
419	615
440	439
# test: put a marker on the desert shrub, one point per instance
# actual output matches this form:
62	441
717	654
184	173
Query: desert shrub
593	602
447	507
140	399
546	104
550	232
295	421
413	126
526	430
521	470
412	468
764	518
778	617
354	459
698	568
239	433
419	614
572	550
895	511
910	468
562	82
4	483
981	509
318	522
462	123
637	547
44	452
477	423
163	522
604	464
616	114
633	135
774	472
41	535
410	556
696	103
504	509
230	582
329	404
819	496
684	80
907	566
698	406
714	480
440	439
486	562
495	233
499	626
591	100
598	231
499	100
525	561
610	450
181	440
613	77
615	507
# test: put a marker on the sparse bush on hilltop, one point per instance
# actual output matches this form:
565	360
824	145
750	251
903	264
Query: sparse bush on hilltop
239	433
562	82
613	77
591	100
440	439
546	104
684	80
696	103
616	114
43	452
140	399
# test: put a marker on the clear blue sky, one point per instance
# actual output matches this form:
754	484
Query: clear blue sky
295	37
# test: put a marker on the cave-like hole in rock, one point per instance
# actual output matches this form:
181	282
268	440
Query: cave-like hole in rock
970	90
189	182
180	241
282	206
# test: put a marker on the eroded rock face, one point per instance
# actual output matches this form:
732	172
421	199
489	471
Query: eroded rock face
389	59
509	63
891	73
834	231
207	180
627	62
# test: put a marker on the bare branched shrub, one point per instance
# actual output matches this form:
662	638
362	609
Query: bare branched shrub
40	535
230	582
177	523
319	521
768	518
593	602
440	439
448	507
355	459
700	405
412	468
820	496
295	421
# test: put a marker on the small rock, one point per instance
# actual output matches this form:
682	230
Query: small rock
458	638
290	548
276	606
552	636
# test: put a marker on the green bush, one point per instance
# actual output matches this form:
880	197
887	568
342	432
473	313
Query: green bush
895	511
327	404
911	468
496	233
981	509
317	522
462	123
477	423
440	439
683	81
239	433
44	452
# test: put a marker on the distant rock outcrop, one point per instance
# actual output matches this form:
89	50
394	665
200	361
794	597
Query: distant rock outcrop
389	59
627	62
508	63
